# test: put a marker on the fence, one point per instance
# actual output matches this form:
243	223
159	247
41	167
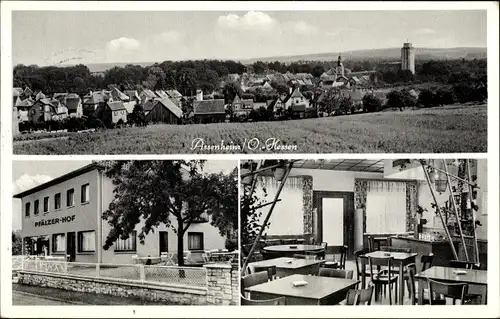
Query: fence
152	274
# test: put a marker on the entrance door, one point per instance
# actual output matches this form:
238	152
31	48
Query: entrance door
163	242
71	245
335	224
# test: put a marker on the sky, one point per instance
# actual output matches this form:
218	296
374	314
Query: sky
27	174
49	37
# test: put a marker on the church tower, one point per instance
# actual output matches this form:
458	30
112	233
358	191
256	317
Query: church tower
408	57
340	67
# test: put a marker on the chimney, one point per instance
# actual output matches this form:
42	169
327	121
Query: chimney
199	95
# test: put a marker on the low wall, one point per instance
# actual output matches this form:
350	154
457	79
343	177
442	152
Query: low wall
172	294
223	284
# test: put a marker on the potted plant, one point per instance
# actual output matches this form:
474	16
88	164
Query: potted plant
247	168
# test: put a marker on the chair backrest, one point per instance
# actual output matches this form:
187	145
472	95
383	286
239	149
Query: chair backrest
381	261
336	273
342	251
395	249
426	261
357	257
270	302
464	264
253	279
360	296
370	243
271	271
455	290
412	269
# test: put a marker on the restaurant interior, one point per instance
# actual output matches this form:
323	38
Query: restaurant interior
363	232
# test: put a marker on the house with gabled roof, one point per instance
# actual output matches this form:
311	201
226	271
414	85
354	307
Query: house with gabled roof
209	111
296	103
74	105
241	107
93	100
111	112
45	110
163	110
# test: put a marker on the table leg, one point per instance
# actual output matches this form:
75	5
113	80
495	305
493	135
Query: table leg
421	284
401	283
363	269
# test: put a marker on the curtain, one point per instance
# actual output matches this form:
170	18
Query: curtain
386	207
88	241
195	241
288	214
60	242
126	244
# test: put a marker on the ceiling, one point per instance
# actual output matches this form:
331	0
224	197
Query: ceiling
358	165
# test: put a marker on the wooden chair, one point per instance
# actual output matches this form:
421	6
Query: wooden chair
426	261
356	297
454	291
385	277
465	264
322	254
335	273
357	257
253	279
412	289
341	252
370	244
270	302
271	271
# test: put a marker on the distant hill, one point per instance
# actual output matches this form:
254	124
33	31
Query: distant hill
373	54
383	54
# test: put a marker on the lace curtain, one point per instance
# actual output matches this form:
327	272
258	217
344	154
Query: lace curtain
288	214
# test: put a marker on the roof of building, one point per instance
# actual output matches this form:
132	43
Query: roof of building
161	93
209	106
170	105
59	95
72	102
116	106
132	94
28	91
95	98
39	96
148	93
24	103
59	179
119	95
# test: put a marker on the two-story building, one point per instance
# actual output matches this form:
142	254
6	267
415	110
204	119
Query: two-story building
63	217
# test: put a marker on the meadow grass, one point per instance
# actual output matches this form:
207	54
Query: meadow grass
451	129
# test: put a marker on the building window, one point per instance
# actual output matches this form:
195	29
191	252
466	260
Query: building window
85	193
27	209
37	204
86	241
70	197
46	204
127	244
195	241
58	243
57	201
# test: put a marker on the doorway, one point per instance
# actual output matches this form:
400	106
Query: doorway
71	246
335	218
163	242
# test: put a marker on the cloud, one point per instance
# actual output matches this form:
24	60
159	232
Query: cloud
123	43
302	28
425	31
250	21
26	182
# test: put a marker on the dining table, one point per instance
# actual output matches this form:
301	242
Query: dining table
400	259
317	290
476	279
286	266
290	250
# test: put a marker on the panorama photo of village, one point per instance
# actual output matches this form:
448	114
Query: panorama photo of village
249	82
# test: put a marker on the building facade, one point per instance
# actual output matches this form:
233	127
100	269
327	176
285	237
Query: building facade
408	57
63	217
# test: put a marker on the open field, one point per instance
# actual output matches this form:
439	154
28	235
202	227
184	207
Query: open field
449	129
